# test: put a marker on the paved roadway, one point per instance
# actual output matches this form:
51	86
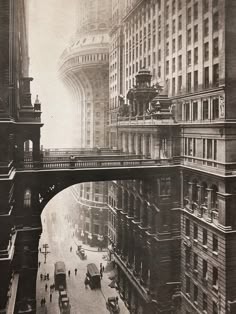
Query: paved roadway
58	234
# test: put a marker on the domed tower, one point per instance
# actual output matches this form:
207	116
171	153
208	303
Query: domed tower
84	68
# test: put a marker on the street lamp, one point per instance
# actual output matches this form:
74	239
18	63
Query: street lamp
45	252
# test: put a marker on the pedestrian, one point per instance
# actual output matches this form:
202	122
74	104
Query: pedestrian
40	249
101	273
103	269
39	264
47	276
46	287
41	302
69	273
50	297
44	301
71	249
41	277
75	271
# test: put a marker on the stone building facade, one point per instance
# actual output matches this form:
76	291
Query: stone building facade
84	68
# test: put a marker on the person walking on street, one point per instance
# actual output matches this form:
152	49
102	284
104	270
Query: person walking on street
41	277
47	276
69	273
39	264
101	273
75	271
71	249
41	302
50	297
46	287
44	301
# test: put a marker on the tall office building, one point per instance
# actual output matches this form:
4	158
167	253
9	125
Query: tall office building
188	47
84	69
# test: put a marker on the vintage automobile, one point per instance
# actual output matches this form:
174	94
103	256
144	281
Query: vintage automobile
80	251
93	275
64	305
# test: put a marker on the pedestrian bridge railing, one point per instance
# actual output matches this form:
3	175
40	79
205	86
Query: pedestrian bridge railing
78	164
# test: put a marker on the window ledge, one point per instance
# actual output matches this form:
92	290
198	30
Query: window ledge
204	246
215	253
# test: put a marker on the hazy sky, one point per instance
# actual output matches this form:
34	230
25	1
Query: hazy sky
51	25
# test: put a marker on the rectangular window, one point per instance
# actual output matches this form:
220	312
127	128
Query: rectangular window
167	48
204	236
215	47
215	150
204	302
209	149
180	22
214	308
189	83
206	27
187	227
173	86
159	54
179	83
215	108
195	11
186	111
189	36
195	262
173	26
190	147
167	30
187	257
206	77
204	148
180	62
195	80
204	269
167	67
215	243
215	22
196	55
206	51
179	4
173	65
195	109
195	232
215	277
173	6
187	282
189	15
173	45
167	12
205	5
180	42
195	293
195	33
216	74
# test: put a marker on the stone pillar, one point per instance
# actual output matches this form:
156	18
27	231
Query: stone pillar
130	144
199	200
36	148
144	145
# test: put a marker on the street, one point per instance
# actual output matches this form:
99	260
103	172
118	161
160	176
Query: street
58	234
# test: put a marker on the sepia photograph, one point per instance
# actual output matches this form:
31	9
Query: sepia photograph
117	156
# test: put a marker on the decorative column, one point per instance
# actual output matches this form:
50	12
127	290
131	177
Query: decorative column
144	145
137	262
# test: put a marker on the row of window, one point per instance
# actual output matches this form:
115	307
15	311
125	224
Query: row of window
205	236
208	109
189	9
205	303
209	148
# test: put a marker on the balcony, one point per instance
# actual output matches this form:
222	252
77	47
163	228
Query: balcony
144	120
